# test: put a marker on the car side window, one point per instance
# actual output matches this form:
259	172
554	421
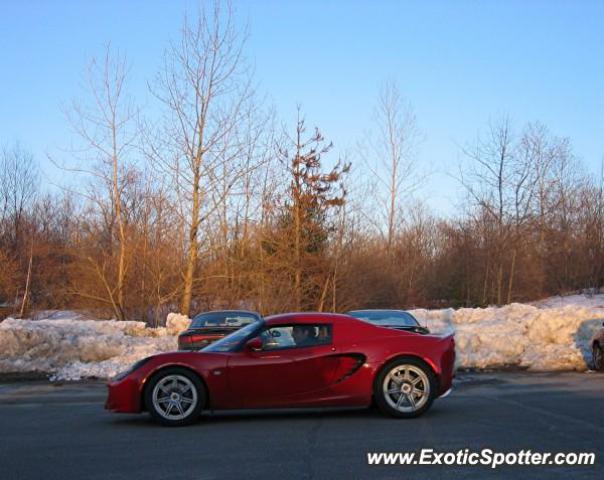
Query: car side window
296	336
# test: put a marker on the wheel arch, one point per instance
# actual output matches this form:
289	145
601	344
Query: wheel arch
158	370
401	356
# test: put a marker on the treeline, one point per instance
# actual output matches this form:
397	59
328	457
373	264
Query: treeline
210	204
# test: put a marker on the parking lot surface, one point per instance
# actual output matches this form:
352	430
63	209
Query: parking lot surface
61	432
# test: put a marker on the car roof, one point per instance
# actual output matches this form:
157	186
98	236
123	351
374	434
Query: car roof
350	329
308	317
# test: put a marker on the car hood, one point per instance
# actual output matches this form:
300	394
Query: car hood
191	357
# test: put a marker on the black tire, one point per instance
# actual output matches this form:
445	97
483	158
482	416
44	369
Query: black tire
380	396
597	357
191	390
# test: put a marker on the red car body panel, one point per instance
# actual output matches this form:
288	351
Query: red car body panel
338	374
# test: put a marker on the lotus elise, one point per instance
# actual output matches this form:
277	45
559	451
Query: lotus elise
292	360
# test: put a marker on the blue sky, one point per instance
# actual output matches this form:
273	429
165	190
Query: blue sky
459	63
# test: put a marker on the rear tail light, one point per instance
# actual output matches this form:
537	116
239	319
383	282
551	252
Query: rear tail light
201	339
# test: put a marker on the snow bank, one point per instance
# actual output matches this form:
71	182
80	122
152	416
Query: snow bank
549	335
540	339
71	349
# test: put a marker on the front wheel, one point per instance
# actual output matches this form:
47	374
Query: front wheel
405	388
598	358
175	397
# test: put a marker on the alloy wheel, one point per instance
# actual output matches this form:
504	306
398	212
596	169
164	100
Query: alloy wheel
174	397
406	388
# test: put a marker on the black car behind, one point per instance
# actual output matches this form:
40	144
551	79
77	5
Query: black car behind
208	327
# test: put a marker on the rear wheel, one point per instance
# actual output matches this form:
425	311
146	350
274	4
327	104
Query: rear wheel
405	388
598	357
175	397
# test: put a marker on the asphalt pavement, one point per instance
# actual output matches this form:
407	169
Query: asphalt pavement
61	432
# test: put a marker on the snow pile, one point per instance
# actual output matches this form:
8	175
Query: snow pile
72	349
548	335
518	335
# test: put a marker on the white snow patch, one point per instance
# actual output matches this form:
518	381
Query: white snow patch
595	301
176	323
540	339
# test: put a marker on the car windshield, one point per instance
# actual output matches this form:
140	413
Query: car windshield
222	319
232	341
385	317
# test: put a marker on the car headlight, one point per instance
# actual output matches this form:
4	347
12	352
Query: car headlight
134	367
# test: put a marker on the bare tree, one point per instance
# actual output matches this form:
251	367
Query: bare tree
486	178
203	85
487	181
390	154
18	188
106	125
501	181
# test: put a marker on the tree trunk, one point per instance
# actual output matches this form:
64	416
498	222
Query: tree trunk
485	284
187	294
121	269
511	279
27	282
323	294
499	282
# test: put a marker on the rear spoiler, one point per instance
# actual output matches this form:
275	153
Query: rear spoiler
419	329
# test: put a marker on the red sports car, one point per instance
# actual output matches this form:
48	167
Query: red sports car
292	360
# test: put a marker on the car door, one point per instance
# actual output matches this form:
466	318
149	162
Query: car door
261	378
318	363
280	372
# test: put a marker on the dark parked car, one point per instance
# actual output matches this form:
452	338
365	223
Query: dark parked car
597	349
397	319
208	327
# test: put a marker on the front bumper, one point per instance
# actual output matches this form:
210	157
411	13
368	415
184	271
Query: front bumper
124	396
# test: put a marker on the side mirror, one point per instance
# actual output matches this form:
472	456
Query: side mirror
254	344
